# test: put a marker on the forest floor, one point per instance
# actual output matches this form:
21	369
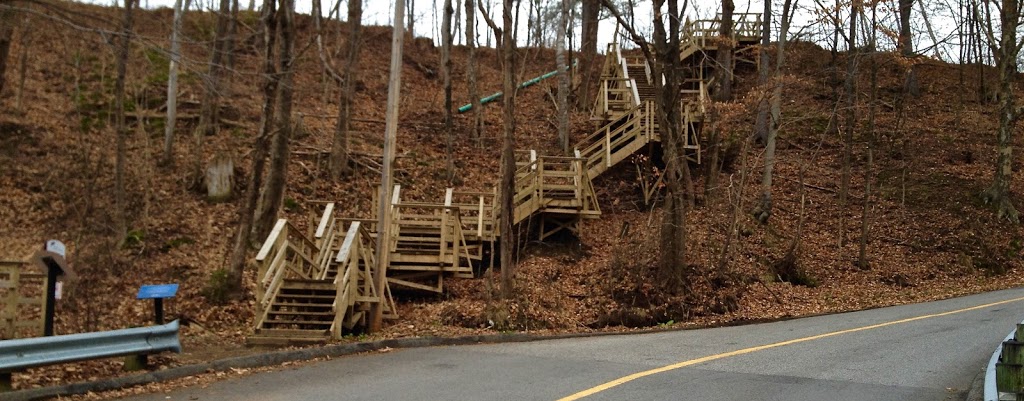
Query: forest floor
930	236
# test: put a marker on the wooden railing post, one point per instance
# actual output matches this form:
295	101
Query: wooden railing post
539	182
607	147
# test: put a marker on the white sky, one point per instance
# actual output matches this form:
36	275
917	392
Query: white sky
379	12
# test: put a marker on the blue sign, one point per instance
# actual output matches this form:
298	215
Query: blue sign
157	291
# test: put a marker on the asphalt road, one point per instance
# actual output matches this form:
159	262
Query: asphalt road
929	351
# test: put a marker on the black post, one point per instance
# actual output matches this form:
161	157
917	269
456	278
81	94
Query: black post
52	271
158	310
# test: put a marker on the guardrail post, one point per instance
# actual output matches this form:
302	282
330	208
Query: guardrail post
1012	352
1010	372
6	383
135	362
1009	380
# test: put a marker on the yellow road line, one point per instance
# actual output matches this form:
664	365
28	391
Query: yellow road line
634	376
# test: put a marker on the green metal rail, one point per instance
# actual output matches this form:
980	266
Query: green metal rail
497	95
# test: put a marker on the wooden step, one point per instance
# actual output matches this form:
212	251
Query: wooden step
299	313
287	337
326	299
310	285
327	305
315	323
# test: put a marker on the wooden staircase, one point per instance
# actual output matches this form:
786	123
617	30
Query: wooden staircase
428	244
315	289
302	311
312	290
625	106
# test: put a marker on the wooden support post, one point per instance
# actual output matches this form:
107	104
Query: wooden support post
480	220
391	133
539	181
607	149
604	96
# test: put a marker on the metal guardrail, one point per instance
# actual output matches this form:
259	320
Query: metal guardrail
27	353
991	392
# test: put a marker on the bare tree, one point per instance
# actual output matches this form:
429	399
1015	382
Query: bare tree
723	56
339	163
662	54
588	51
446	72
474	91
172	81
865	219
764	209
411	16
277	174
213	86
485	12
905	41
124	47
240	248
763	69
1005	49
6	34
25	41
508	163
563	76
850	93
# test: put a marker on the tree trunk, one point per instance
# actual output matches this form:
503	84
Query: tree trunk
508	163
761	124
240	249
6	34
664	61
277	174
25	41
490	23
764	210
673	260
209	112
124	47
474	91
1006	62
339	163
563	78
209	109
588	52
905	41
446	72
410	10
457	19
172	82
231	41
850	91
865	218
723	56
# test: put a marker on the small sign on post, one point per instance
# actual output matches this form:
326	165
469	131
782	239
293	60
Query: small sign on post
51	259
157	293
